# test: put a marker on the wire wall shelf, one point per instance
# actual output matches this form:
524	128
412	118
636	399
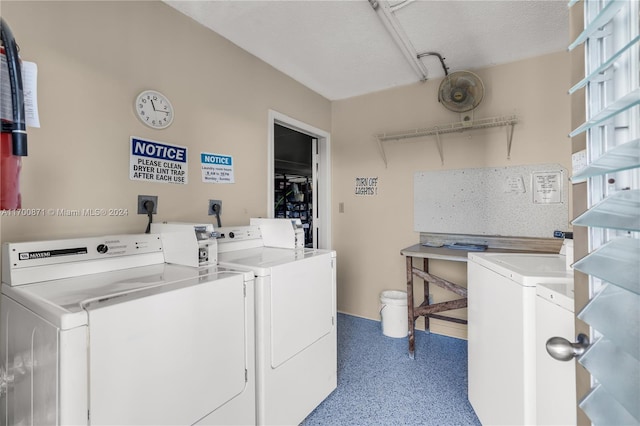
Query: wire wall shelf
457	127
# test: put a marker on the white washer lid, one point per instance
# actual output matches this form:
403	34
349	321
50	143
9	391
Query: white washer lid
261	259
525	268
63	302
560	294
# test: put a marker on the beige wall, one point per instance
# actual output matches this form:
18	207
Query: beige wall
370	233
93	59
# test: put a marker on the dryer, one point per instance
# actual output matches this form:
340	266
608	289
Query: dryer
296	340
101	331
502	332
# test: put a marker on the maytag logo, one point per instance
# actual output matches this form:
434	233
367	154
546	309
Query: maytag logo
52	253
35	255
40	255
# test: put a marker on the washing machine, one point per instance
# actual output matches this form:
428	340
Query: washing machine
296	341
100	331
501	332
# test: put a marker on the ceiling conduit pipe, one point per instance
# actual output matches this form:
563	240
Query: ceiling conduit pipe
393	27
398	6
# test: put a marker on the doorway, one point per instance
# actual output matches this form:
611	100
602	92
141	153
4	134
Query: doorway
299	179
293	178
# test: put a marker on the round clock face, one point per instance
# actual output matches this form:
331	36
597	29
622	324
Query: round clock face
154	109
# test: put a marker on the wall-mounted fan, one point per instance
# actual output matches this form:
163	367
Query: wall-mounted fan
461	91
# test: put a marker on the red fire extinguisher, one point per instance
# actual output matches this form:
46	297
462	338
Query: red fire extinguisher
10	166
13	141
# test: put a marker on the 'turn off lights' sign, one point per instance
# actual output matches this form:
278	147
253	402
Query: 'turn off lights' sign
366	186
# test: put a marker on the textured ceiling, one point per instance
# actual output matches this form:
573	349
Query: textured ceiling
341	49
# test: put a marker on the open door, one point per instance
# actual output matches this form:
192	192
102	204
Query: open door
299	181
294	178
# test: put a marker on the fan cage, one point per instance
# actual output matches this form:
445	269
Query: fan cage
464	84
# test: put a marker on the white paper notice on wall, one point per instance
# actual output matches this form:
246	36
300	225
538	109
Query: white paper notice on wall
579	161
216	168
29	90
366	186
547	187
153	161
514	184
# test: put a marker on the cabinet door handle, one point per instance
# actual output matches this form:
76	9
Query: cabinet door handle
561	349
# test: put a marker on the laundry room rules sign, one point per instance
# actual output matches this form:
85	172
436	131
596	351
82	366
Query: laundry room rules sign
216	168
157	162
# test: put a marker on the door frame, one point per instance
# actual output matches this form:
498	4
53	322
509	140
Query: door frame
321	190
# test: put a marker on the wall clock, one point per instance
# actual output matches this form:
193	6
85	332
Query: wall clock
154	109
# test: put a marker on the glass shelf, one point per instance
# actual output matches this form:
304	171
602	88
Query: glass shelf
629	100
617	262
610	308
598	21
603	409
620	211
604	66
623	157
616	371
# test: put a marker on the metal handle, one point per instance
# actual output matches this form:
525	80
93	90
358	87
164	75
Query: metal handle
563	350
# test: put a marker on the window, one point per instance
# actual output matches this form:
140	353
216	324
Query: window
612	90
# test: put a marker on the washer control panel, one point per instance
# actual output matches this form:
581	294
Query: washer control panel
67	258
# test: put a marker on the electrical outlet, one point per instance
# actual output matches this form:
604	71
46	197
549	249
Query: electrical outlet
212	203
142	199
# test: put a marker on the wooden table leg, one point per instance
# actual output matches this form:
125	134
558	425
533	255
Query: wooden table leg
411	318
425	268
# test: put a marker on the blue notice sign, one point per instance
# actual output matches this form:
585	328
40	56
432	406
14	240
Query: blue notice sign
157	162
216	168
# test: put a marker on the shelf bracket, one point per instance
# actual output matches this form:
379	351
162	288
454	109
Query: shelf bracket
509	139
382	153
439	144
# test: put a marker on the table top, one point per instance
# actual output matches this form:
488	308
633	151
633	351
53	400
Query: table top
418	250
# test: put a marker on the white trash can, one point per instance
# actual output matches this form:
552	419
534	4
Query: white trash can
394	313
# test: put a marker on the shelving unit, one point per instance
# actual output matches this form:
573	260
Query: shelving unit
460	126
293	199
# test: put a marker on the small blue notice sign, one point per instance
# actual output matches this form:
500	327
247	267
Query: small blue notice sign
216	168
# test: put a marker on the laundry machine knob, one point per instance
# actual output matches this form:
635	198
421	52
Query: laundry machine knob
102	248
231	235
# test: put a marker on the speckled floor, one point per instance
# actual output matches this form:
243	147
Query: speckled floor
379	385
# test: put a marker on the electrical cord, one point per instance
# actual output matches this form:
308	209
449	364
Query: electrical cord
444	67
149	206
216	211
